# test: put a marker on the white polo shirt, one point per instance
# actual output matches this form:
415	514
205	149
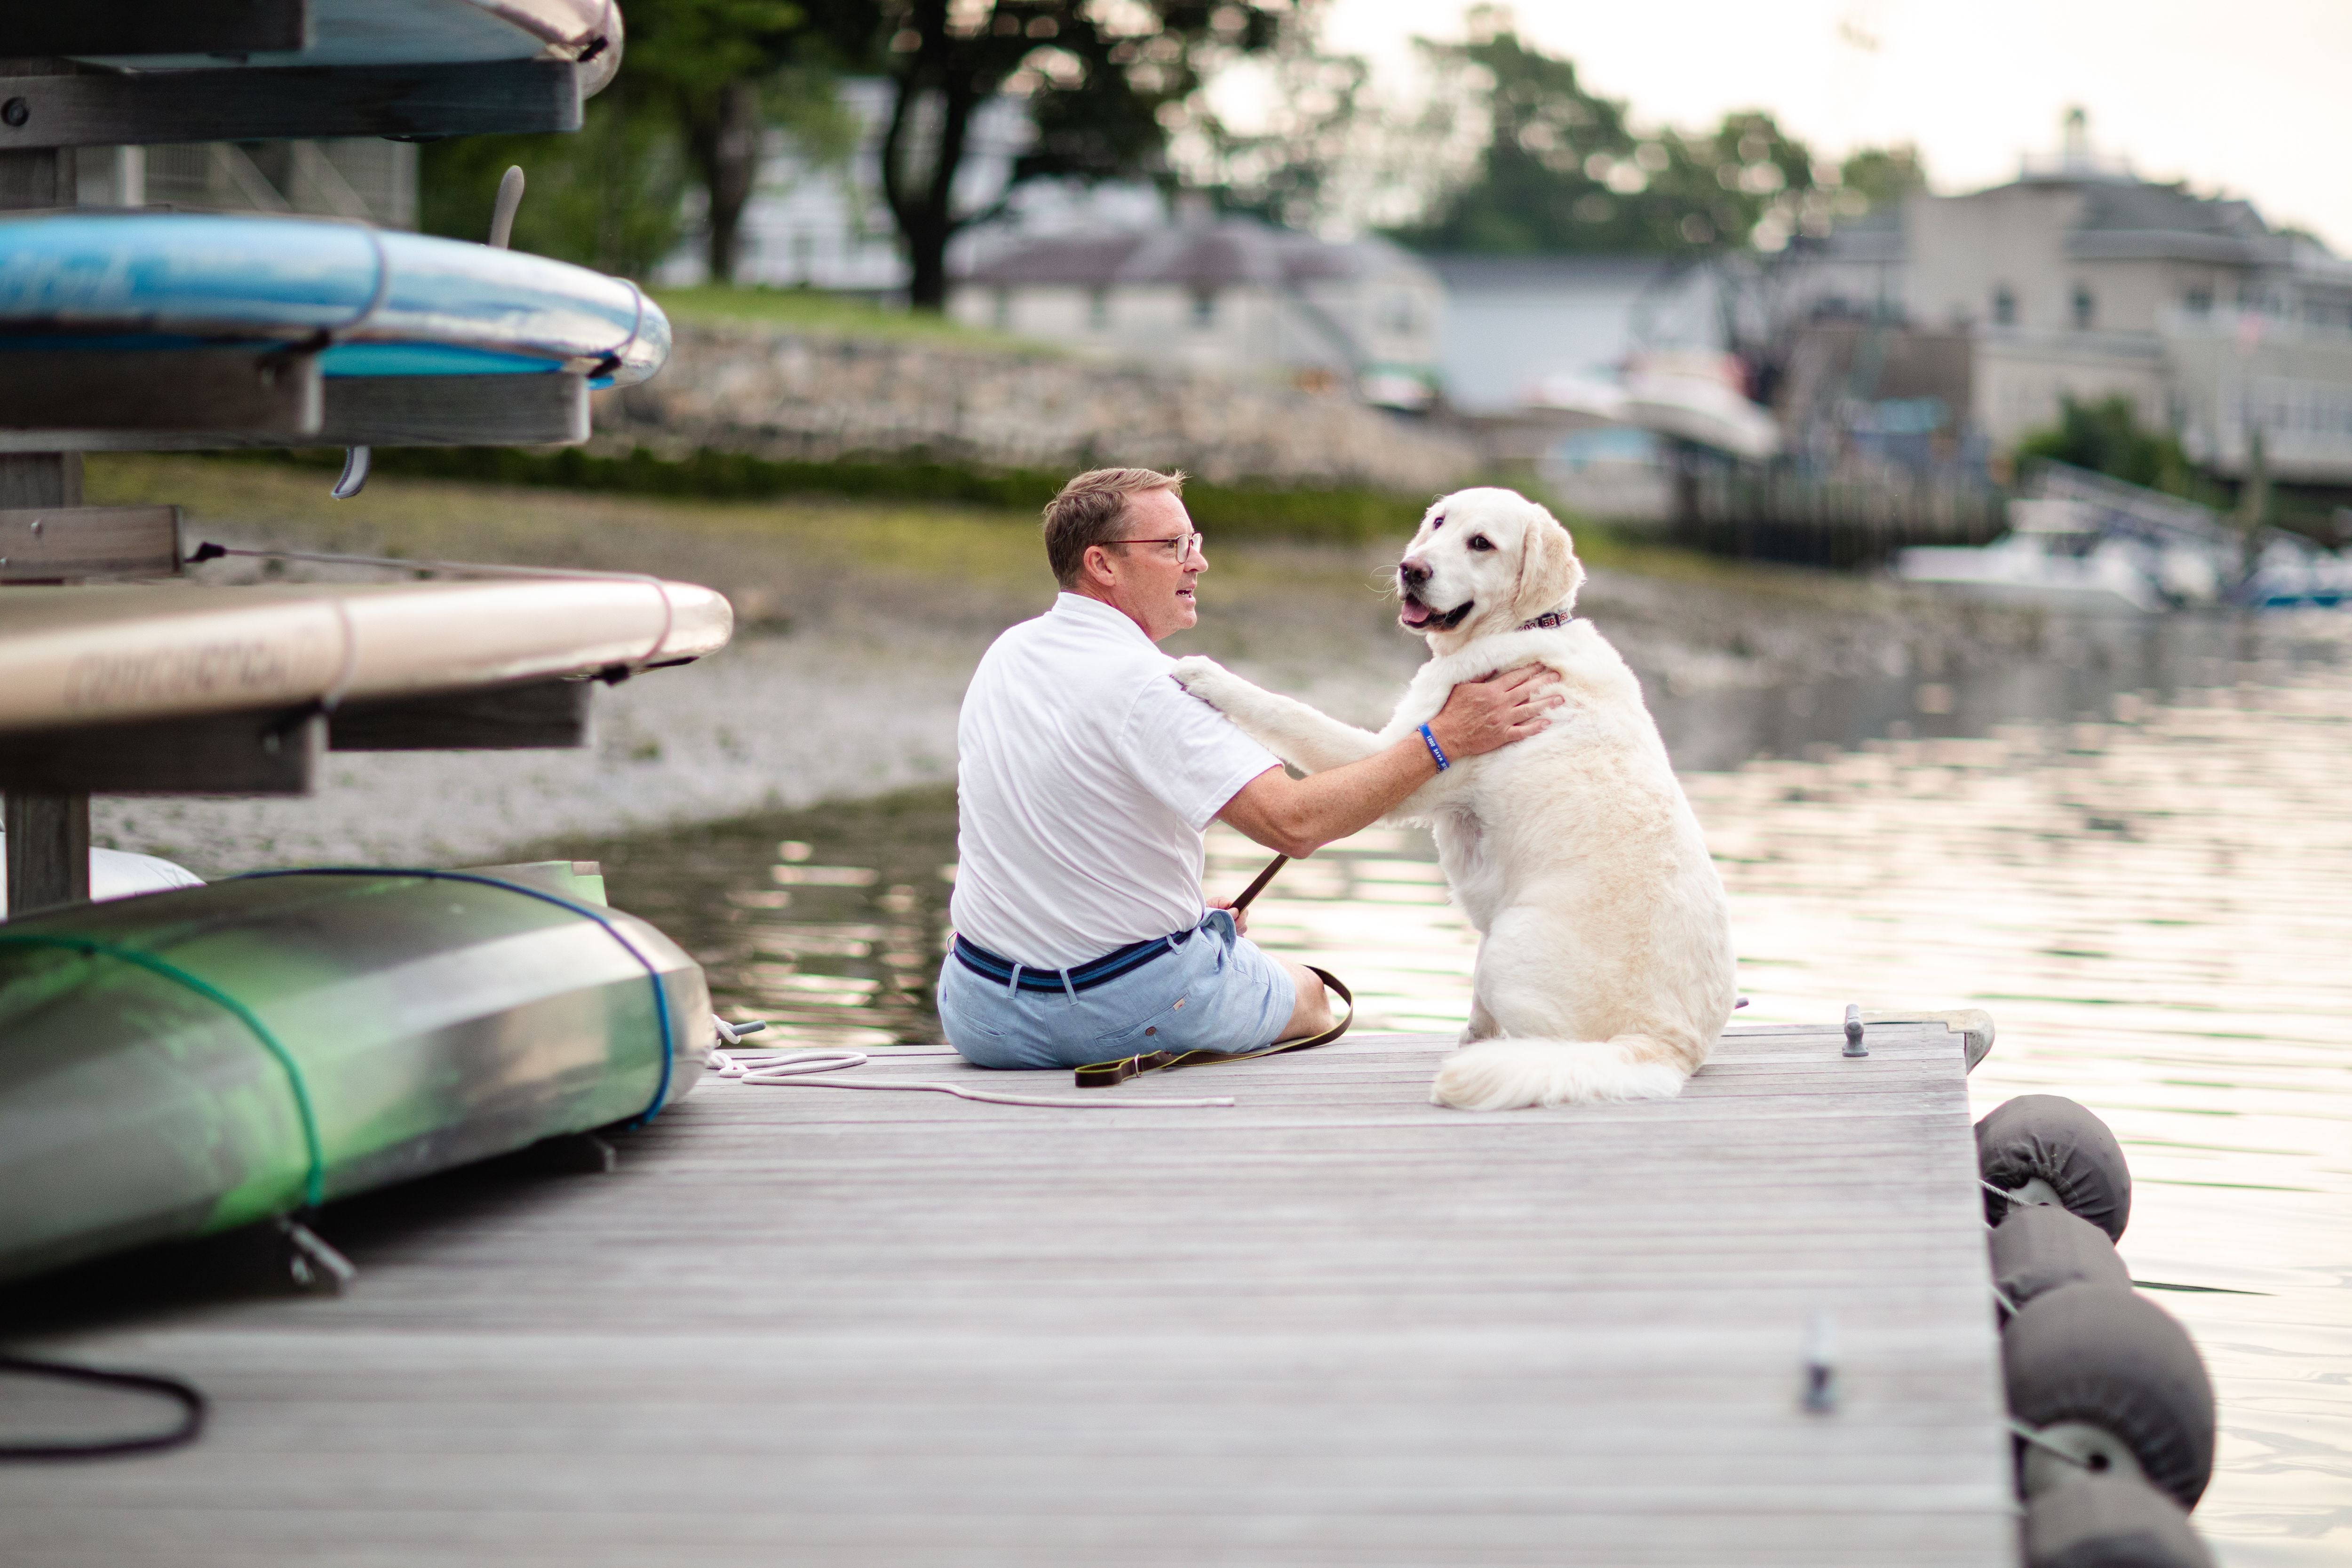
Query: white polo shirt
1084	778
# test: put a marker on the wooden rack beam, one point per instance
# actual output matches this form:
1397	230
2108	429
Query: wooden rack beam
75	543
161	27
275	752
104	109
264	391
371	411
529	716
48	850
218	754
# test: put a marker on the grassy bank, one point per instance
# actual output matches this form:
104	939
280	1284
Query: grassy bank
949	525
1337	516
821	314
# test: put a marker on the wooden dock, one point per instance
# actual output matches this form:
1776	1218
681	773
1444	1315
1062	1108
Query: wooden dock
1331	1325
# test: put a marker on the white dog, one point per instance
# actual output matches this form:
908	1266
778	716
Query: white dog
1606	968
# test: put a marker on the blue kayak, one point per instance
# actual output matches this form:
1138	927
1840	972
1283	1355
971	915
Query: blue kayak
383	303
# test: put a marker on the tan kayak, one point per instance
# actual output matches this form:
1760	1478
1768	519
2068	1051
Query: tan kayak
105	655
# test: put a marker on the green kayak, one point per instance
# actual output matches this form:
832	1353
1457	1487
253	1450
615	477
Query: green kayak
192	1061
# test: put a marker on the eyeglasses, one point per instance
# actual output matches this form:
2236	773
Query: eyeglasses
1179	545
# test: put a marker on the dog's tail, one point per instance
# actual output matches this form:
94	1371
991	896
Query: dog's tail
1503	1075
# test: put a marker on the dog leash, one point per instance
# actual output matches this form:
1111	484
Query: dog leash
1103	1074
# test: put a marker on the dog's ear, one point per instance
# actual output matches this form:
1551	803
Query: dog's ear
1549	574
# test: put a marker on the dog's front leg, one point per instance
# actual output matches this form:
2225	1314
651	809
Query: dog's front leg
1299	734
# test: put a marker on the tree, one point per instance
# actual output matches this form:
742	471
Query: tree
1880	176
1564	169
715	65
701	82
2106	437
1103	83
605	197
1316	136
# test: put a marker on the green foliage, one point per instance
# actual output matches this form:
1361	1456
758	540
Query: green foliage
1103	84
799	99
2106	437
712	64
832	315
1245	509
606	196
1877	176
1565	171
697	80
690	49
1290	171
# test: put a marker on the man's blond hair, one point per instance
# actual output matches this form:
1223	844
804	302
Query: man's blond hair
1092	510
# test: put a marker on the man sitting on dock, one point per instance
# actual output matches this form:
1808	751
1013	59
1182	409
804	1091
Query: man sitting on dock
1086	779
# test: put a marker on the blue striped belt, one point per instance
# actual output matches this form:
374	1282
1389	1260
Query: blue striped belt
1084	977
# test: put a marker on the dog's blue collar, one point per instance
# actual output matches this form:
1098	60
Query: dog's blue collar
1547	621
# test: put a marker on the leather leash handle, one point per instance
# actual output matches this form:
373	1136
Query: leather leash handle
1258	885
1107	1075
1104	1075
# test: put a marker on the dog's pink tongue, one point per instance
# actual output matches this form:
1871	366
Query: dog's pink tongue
1413	613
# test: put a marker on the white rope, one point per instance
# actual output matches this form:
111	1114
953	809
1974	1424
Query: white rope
791	1070
351	666
2033	1436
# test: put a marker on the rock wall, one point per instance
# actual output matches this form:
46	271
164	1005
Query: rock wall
794	396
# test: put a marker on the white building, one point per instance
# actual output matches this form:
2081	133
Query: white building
1232	295
2079	279
1516	323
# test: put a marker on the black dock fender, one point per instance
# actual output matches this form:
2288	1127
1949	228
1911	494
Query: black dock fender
2043	1148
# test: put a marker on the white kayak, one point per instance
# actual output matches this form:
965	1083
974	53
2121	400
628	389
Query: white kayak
109	655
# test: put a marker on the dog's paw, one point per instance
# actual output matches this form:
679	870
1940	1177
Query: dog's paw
1206	678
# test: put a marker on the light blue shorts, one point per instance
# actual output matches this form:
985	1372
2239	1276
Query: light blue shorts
1215	990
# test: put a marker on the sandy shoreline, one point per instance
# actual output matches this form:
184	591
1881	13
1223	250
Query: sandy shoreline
859	628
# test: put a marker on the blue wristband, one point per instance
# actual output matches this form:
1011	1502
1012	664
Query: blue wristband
1436	750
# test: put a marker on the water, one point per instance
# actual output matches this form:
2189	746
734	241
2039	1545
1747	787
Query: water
2136	854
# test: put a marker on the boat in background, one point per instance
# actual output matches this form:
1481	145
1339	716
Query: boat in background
2088	542
2064	553
1700	398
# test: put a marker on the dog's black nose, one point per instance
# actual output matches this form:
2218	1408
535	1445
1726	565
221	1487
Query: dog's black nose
1412	572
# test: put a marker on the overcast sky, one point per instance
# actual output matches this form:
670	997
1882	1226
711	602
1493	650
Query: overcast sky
2253	96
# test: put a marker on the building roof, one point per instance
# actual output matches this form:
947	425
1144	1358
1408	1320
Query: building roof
1219	254
2121	218
2131	219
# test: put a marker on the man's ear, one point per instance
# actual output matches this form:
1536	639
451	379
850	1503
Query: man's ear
1549	574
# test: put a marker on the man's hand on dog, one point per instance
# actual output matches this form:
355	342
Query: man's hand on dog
1490	712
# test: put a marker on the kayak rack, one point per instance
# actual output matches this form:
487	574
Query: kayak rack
75	380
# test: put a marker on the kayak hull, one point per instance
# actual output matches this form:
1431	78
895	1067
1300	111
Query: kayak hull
427	1024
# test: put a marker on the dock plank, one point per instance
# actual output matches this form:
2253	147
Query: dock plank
1331	1324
